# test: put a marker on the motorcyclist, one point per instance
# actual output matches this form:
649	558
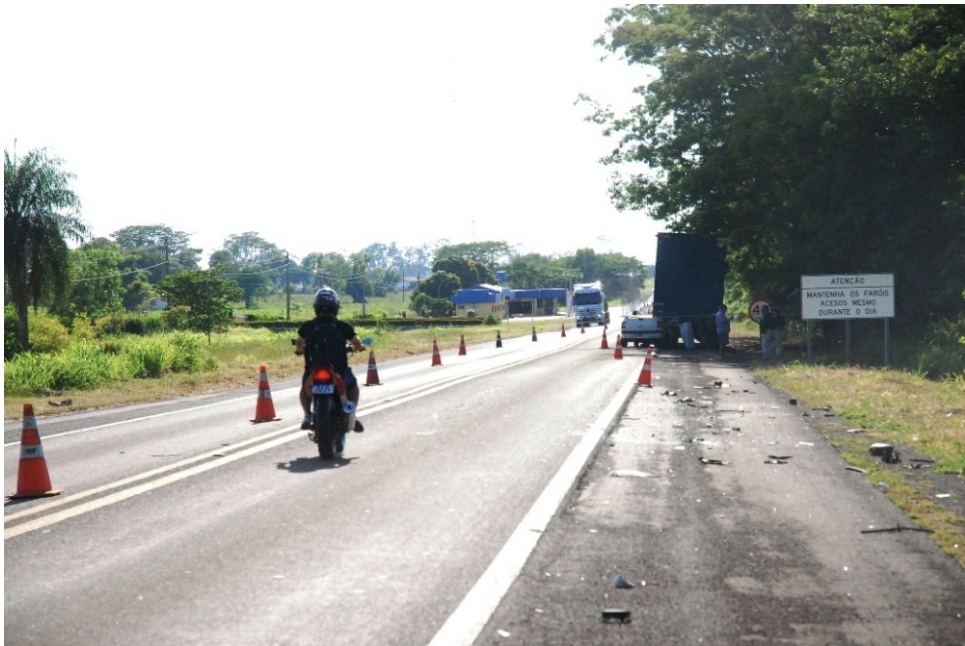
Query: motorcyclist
323	338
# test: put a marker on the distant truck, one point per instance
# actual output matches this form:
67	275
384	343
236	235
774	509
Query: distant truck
688	286
590	304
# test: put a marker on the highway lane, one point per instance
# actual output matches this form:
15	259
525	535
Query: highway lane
257	541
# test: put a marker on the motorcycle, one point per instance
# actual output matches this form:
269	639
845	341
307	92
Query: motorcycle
333	413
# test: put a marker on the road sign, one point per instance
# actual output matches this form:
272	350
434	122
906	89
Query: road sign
848	296
754	311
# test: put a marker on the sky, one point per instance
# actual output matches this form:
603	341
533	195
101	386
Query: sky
326	127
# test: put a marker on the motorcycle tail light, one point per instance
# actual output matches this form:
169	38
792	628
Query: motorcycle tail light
322	374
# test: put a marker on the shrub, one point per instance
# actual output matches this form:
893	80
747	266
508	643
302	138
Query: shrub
149	358
129	323
188	354
11	345
79	367
47	334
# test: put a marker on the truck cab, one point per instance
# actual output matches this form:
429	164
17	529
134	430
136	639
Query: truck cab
590	304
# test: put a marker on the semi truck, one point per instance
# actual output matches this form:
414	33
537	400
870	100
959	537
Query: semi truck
590	304
688	287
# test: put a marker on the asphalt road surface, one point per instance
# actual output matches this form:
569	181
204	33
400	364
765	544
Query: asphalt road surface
491	500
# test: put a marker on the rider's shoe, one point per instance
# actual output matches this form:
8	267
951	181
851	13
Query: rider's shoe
307	422
358	426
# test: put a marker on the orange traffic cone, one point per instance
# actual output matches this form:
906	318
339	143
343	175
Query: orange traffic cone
562	330
618	349
499	340
604	345
265	409
534	333
436	359
372	378
33	481
644	378
462	345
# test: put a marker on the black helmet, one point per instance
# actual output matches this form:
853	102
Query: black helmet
326	302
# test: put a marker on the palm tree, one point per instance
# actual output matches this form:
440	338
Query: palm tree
39	214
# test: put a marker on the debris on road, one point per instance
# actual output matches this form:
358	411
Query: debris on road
712	461
886	452
621	582
896	528
619	615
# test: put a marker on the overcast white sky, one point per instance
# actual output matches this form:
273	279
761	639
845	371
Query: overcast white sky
326	126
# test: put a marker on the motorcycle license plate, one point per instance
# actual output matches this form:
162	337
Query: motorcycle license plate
323	389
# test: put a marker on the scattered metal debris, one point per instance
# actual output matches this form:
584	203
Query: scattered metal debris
886	452
849	468
619	615
629	473
896	528
775	461
621	582
712	461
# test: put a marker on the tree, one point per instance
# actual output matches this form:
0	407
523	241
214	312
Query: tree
40	213
253	262
470	271
157	248
807	138
205	295
96	287
491	253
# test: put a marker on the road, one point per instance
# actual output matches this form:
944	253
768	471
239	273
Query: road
478	507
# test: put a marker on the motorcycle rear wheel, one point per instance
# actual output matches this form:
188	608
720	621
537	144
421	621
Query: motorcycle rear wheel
325	433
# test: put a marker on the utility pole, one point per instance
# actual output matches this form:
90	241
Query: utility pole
288	289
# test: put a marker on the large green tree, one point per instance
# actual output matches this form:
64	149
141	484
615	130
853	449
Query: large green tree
40	215
254	263
157	249
808	138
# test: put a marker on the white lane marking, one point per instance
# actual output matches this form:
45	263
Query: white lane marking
467	621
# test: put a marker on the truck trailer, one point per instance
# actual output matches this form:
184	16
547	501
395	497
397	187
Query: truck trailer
688	286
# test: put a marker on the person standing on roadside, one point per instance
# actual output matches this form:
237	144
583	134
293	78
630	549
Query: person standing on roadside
723	329
779	323
766	324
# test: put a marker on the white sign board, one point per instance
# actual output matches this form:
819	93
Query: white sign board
848	296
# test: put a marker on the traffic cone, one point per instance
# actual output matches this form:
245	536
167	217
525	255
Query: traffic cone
562	330
534	333
372	378
436	359
499	340
644	378
265	409
462	345
604	345
33	481
618	349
